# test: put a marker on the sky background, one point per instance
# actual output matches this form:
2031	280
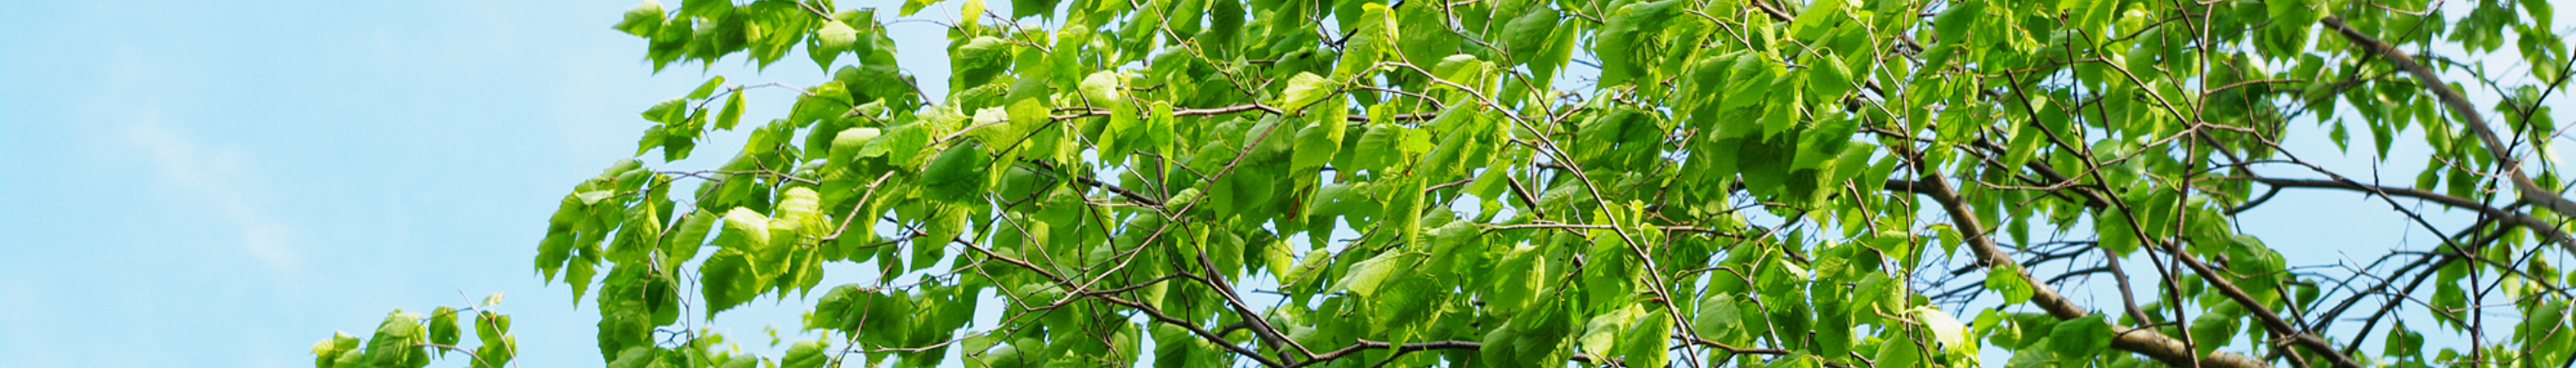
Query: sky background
220	184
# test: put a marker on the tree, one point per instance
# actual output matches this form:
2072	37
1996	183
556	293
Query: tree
1355	183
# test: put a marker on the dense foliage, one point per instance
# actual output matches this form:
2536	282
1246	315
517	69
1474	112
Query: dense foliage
1358	183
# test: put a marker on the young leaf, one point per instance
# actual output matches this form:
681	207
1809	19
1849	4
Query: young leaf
442	328
1366	276
2006	279
1305	89
732	113
707	89
643	20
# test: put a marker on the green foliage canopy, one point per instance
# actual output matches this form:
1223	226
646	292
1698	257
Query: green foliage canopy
1354	183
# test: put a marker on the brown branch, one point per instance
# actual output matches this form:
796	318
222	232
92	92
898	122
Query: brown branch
2143	341
2544	227
1149	311
1773	11
1082	112
2467	112
1691	229
1365	345
1216	280
1139	198
2270	320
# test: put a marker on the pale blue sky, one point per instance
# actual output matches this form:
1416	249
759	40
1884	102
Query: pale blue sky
220	184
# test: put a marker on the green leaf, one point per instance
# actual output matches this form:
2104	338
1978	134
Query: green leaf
2006	279
1366	276
1560	50
593	197
330	351
1819	17
850	143
2382	138
804	354
1945	329
708	88
1829	77
1624	42
732	112
2076	340
442	328
1103	89
957	176
899	144
633	357
914	6
643	20
672	42
1517	279
1318	143
397	342
1823	142
1404	211
1527	35
491	326
800	209
831	40
727	280
1305	89
685	239
979	60
750	225
498	346
1718	317
2340	137
2025	143
1187	198
1751	84
1602	334
706	8
1899	351
1643	345
1733	148
2402	342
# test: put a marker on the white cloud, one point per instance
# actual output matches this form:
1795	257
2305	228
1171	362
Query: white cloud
219	180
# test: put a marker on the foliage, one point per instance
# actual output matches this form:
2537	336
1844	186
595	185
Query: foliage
408	339
1352	183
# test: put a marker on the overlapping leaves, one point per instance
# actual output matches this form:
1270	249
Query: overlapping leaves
1508	183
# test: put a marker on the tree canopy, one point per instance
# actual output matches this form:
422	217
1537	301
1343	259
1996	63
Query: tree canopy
1669	183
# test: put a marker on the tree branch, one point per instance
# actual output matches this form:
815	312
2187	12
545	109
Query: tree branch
2139	340
1081	112
2544	227
2468	113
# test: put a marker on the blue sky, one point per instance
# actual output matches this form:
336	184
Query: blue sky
221	184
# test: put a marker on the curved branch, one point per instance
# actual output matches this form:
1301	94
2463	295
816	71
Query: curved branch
1366	345
2468	113
2536	224
2143	341
1082	112
1139	198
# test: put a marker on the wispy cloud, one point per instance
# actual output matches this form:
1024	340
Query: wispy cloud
219	179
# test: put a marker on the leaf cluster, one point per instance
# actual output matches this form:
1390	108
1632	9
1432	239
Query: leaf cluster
1347	183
